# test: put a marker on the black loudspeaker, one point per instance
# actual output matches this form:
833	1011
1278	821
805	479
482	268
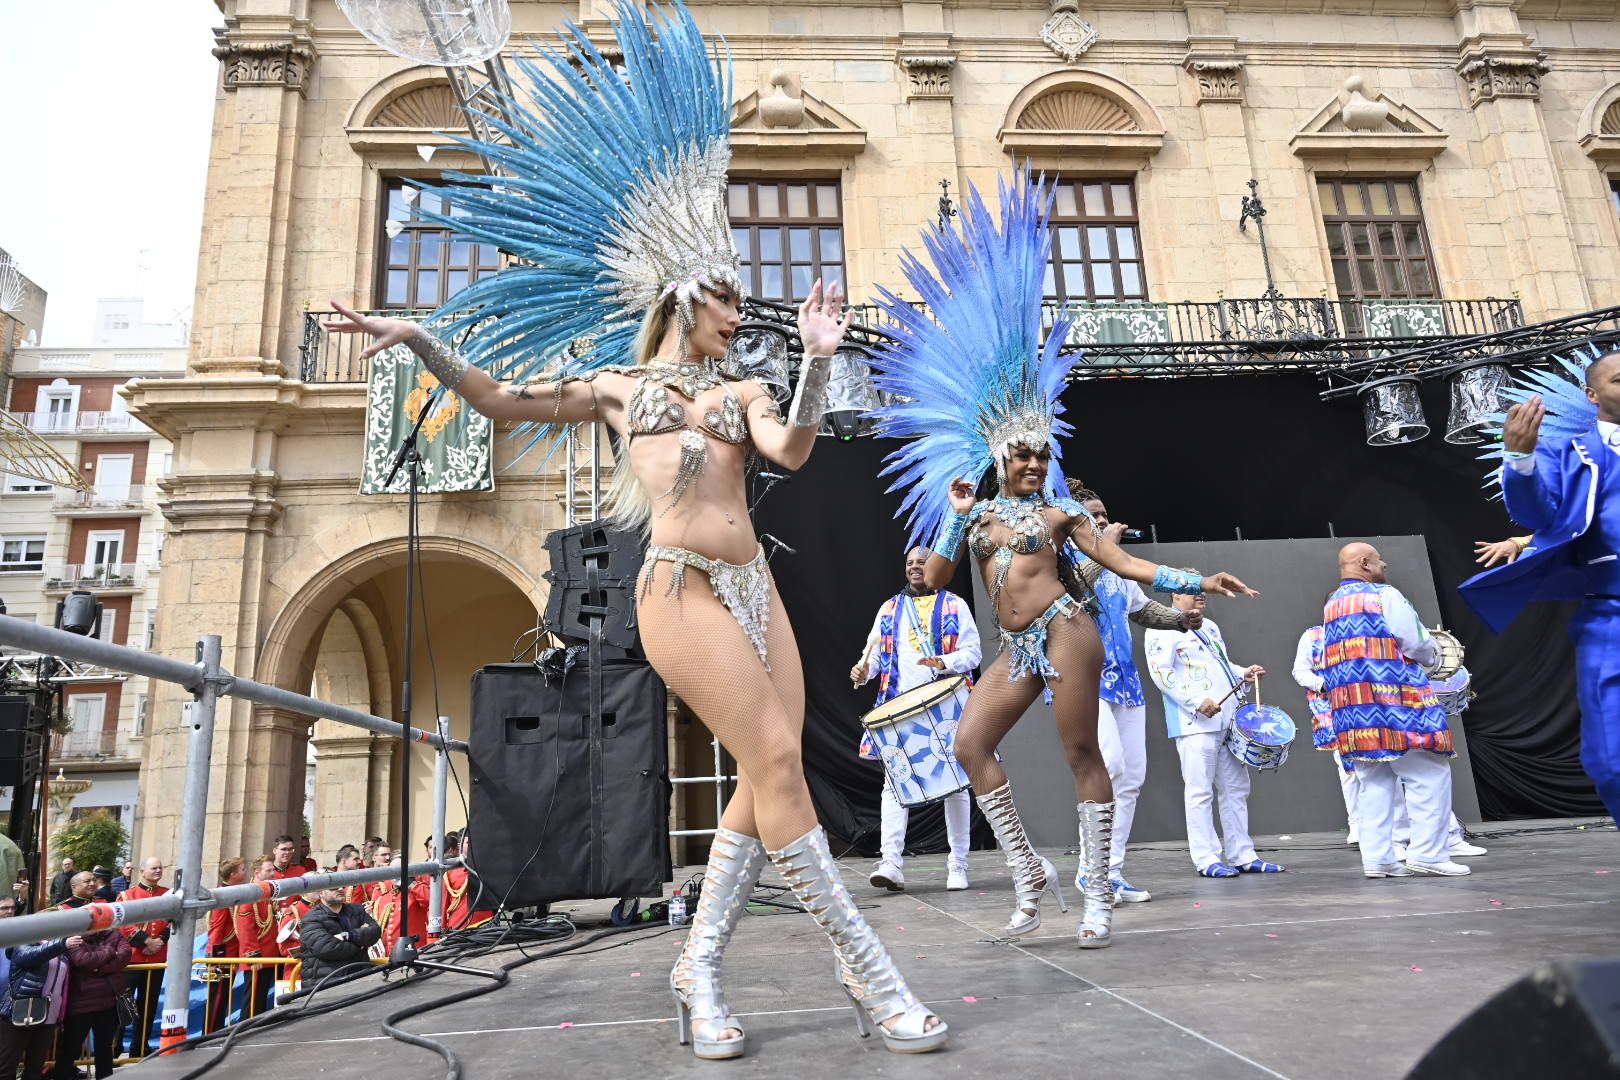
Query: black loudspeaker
1560	1020
564	808
22	728
593	574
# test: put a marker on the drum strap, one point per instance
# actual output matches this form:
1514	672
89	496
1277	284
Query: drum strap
935	642
1214	649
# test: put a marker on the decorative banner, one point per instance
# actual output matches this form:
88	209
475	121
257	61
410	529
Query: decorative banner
456	442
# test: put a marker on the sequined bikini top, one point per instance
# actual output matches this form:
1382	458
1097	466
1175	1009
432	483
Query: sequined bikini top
1025	518
653	411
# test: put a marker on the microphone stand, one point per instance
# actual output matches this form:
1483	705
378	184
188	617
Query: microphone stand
409	457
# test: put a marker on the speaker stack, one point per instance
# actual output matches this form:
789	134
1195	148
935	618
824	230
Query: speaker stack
22	737
569	756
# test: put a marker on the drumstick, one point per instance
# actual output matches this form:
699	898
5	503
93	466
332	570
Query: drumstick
1236	688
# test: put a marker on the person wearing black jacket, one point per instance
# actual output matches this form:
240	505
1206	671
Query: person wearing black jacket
62	883
335	935
30	977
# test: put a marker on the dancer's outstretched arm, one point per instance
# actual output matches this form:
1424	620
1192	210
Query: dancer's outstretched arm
572	401
1078	527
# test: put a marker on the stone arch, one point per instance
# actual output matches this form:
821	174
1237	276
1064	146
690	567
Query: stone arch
1069	114
336	560
418	98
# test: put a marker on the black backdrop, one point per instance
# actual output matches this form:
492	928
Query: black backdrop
1197	459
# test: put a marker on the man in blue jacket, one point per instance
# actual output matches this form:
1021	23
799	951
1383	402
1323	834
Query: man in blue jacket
1570	495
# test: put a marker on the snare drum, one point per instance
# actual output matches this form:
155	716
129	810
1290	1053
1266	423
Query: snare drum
1259	736
1453	692
914	733
1448	655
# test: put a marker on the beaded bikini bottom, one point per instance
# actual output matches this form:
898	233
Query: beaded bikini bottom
744	589
1026	648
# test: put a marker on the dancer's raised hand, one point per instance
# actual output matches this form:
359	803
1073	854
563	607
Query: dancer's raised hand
823	319
961	495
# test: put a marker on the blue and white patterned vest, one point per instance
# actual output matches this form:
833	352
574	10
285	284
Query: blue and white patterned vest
1121	683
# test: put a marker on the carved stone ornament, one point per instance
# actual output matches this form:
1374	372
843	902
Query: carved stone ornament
1068	35
1490	77
286	64
784	108
928	75
1361	113
1219	79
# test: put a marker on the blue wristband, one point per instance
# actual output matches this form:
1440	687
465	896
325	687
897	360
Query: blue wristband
1518	455
1168	579
949	541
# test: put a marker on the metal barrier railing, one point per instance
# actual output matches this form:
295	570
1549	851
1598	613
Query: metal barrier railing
208	681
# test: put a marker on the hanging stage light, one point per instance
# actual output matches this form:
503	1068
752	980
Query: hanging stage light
850	394
759	351
1475	399
1393	413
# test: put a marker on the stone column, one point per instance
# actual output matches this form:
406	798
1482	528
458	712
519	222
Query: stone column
1502	72
342	786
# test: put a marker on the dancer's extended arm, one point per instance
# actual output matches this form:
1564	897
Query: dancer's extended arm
571	401
1115	558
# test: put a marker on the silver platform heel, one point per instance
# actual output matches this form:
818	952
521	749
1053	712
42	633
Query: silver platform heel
1097	898
874	985
735	861
1033	876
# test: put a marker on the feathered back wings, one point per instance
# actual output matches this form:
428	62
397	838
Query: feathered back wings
969	372
1563	393
611	195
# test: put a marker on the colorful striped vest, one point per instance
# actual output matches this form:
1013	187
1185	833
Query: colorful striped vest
1382	702
945	626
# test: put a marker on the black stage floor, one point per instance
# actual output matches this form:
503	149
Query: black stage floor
1318	972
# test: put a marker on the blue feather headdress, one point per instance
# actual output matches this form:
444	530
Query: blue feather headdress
611	193
970	375
1563	393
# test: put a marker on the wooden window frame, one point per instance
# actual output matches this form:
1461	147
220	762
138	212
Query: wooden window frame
1337	218
414	228
749	227
1062	266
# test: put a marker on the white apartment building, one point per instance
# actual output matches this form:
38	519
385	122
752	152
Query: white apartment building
109	541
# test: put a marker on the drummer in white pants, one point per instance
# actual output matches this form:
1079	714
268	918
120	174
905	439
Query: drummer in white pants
1191	669
919	635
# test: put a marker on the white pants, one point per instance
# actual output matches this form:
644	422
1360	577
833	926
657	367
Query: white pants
1426	779
958	827
1122	738
1207	769
1349	787
1402	832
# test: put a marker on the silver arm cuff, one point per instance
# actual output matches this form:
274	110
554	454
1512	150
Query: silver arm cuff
438	358
810	396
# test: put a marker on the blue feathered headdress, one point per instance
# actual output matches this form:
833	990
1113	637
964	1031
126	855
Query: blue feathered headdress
970	374
1563	393
611	193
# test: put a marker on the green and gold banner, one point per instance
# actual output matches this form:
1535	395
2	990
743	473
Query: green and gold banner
456	442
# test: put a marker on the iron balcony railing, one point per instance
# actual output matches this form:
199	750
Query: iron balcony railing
92	576
1126	335
85	423
110	498
91	746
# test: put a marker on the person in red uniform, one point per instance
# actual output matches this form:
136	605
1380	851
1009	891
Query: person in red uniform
256	937
223	944
288	918
281	853
384	902
348	858
462	890
149	944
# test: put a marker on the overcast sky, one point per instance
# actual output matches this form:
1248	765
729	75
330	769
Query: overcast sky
104	151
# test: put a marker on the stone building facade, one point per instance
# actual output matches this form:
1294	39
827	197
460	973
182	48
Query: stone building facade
1441	149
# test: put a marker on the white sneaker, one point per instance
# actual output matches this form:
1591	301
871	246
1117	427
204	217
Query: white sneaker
1393	869
888	876
1355	836
956	880
1466	850
1444	869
